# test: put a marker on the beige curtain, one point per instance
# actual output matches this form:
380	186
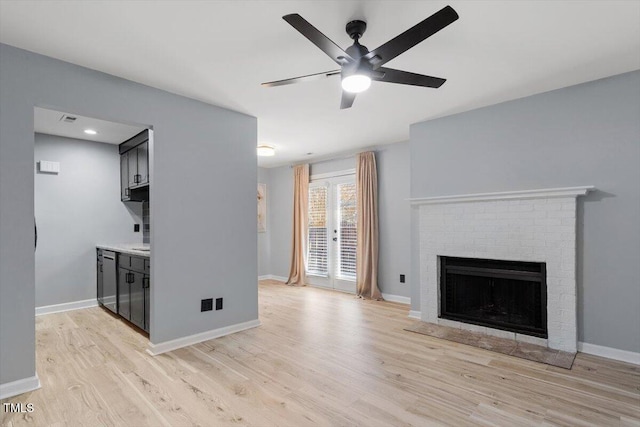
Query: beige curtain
367	227
297	274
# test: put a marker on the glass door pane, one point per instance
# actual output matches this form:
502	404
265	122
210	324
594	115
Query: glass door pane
317	254
347	232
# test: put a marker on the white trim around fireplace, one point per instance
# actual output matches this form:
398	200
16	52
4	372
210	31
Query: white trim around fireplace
547	193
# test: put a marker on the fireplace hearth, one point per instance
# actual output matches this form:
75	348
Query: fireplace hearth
507	295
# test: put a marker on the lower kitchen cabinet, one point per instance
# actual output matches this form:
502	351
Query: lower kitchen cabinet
124	291
133	290
136	298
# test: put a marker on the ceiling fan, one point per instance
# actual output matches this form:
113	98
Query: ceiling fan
358	65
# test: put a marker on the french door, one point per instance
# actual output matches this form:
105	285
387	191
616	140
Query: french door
331	240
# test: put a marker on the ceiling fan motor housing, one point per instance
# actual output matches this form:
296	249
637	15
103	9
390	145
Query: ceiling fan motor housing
356	29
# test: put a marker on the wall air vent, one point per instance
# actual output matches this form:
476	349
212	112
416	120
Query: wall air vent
68	119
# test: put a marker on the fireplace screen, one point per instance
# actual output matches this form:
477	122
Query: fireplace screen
507	295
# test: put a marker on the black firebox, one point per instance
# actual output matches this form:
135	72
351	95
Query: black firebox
509	295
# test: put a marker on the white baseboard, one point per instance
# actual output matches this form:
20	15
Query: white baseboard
67	306
15	388
413	314
396	298
609	352
273	277
163	347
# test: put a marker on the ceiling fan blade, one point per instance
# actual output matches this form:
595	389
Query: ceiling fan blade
412	36
347	99
407	78
317	38
302	79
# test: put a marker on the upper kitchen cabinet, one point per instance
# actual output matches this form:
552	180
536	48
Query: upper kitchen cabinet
134	168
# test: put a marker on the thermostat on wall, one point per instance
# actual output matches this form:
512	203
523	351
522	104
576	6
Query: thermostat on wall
45	166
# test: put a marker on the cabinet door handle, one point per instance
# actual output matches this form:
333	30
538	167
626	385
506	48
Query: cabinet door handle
137	178
126	191
145	282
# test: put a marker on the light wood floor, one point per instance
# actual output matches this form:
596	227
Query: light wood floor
320	358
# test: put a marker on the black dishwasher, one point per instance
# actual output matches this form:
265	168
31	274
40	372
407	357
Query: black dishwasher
109	281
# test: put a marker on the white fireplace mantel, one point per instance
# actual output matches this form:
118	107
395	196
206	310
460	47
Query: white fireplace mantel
546	193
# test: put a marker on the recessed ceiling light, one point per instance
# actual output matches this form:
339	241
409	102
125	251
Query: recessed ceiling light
266	151
90	132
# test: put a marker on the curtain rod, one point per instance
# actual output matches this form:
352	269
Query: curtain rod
330	159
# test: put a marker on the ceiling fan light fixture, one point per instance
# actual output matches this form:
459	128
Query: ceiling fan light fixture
266	151
356	83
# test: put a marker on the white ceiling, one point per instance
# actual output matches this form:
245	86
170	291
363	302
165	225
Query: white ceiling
220	51
50	122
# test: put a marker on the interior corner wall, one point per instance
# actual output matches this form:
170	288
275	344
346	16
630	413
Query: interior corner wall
393	214
74	210
203	199
264	247
588	134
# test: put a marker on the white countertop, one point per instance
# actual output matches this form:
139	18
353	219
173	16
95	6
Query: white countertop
128	248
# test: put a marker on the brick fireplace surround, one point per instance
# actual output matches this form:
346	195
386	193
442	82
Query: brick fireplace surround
530	225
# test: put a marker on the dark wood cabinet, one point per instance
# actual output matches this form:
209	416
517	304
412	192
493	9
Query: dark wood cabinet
142	153
134	168
136	299
99	276
124	290
134	286
147	302
124	178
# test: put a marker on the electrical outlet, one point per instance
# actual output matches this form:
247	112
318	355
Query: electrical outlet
136	228
218	303
206	304
402	278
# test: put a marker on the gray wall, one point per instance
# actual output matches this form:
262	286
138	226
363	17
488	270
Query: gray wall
393	210
203	199
264	247
587	134
76	209
394	218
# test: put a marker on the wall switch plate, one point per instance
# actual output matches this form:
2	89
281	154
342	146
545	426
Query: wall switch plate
218	303
136	228
206	304
402	278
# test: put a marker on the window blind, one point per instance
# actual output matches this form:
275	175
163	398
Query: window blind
317	239
348	237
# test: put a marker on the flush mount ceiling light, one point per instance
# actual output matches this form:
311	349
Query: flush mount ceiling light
356	83
90	132
266	151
